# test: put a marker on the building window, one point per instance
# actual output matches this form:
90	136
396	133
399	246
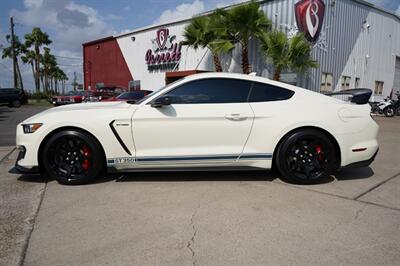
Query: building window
357	83
345	83
378	87
326	82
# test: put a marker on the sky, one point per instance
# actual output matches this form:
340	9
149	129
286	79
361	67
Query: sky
69	23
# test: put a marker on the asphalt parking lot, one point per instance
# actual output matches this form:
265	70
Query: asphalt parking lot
205	218
10	118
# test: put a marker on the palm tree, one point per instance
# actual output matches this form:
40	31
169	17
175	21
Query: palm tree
19	50
37	38
29	58
49	63
57	75
208	32
245	22
293	53
63	78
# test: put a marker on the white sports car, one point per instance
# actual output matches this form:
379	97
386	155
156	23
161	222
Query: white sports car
201	122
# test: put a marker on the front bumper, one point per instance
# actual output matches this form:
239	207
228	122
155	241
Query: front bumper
23	169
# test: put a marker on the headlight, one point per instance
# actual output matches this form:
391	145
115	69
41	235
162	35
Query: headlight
31	128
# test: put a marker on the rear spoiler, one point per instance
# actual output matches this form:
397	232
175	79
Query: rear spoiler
357	96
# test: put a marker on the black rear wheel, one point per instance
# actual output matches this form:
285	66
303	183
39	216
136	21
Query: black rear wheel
306	157
72	157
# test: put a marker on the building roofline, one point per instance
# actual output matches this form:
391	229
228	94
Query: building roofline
98	41
154	26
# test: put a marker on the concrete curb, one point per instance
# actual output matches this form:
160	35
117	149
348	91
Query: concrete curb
30	225
7	155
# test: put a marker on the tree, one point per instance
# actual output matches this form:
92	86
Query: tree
293	53
36	39
19	49
49	64
58	75
245	22
208	32
63	78
29	58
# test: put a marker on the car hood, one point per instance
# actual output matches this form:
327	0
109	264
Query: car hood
81	109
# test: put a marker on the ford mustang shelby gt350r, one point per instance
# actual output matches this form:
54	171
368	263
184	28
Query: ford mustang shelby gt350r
201	122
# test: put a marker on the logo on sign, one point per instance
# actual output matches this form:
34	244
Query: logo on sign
165	53
310	17
162	37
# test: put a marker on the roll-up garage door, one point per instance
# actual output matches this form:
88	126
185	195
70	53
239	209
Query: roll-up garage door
396	83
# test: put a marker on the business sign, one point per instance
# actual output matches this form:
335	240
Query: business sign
310	17
165	53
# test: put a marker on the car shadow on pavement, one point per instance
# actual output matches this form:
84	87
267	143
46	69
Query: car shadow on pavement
354	173
215	176
198	176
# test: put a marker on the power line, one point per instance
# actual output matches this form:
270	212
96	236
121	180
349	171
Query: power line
69	57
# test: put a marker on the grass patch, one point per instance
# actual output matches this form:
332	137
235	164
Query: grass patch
42	102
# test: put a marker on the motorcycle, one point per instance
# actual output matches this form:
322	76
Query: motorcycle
386	107
396	104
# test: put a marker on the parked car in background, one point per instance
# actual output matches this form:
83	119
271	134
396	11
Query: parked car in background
106	93
12	97
130	96
70	97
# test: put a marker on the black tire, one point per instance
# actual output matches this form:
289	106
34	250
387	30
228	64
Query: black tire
398	111
72	158
389	111
306	157
16	104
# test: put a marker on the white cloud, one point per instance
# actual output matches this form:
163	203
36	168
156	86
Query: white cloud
68	24
221	4
181	11
184	10
33	3
398	10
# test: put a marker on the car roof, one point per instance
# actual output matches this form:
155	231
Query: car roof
243	77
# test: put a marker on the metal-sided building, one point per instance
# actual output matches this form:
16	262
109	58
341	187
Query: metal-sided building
355	43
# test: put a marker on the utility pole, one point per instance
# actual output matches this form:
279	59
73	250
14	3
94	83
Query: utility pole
74	83
1	48
14	58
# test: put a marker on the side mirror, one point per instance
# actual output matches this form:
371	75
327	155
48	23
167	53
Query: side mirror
161	101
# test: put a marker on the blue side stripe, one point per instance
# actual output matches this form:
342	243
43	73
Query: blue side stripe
151	159
208	157
256	156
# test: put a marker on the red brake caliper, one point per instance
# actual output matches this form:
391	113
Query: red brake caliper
320	156
86	154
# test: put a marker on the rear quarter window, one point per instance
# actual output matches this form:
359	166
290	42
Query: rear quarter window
262	92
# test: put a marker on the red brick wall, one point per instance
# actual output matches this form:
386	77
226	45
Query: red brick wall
103	62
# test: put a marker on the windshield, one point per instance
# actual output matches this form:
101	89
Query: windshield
71	93
162	88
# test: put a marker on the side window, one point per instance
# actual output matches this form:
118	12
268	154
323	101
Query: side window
265	93
212	90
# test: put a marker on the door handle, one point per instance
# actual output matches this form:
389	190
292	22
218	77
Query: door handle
235	117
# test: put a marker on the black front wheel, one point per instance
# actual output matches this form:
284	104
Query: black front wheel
389	111
306	157
16	104
72	157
